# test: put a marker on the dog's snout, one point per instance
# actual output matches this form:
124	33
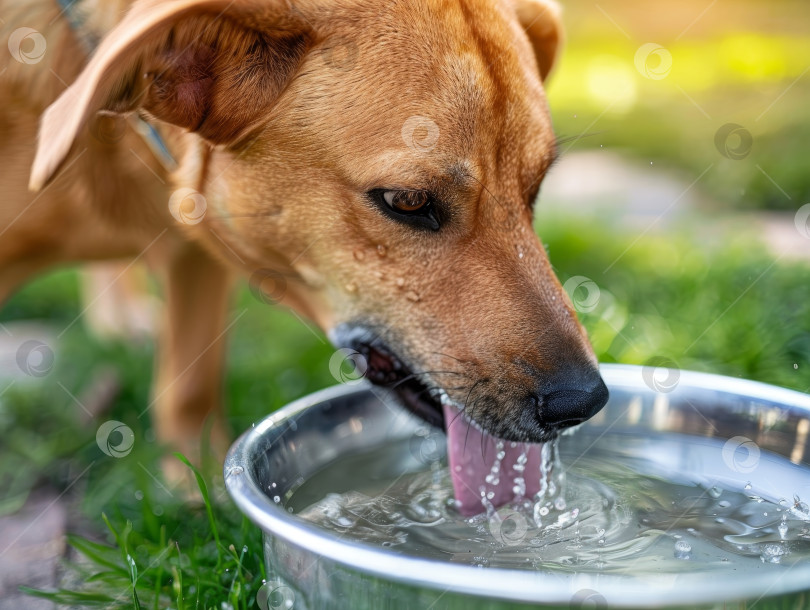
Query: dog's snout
572	397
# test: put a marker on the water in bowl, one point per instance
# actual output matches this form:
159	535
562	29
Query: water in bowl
611	503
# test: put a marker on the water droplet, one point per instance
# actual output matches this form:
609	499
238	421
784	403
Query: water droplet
139	495
359	255
276	499
382	250
783	529
772	553
236	470
559	503
724	504
683	550
795	365
715	492
747	486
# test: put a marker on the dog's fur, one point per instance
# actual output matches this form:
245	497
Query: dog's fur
283	116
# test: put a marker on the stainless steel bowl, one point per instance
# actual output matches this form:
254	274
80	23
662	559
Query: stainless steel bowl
310	568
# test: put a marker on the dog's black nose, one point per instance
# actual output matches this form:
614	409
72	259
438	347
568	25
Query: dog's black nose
572	396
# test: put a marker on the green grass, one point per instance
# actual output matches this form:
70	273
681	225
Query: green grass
725	309
742	62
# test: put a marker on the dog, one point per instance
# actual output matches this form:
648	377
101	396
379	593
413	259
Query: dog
371	165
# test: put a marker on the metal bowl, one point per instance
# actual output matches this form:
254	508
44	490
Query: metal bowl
311	568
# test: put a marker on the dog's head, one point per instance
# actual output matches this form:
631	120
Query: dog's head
378	162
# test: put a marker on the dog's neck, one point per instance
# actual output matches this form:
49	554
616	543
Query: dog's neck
89	21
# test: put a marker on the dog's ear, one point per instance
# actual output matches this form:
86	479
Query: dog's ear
543	24
211	66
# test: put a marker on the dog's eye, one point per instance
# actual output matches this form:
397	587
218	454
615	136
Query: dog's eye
406	201
413	207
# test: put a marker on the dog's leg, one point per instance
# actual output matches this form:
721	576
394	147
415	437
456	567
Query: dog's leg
117	301
191	344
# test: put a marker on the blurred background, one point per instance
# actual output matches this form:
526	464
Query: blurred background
676	219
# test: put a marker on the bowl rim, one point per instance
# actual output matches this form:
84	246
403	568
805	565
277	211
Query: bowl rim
684	589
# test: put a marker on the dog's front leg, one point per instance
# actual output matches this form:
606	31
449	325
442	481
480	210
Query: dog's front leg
189	364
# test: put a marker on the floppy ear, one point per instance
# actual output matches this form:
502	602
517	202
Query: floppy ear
543	24
210	66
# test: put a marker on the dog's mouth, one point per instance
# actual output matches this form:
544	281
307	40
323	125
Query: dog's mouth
485	470
384	368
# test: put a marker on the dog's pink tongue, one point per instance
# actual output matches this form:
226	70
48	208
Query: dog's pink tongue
487	471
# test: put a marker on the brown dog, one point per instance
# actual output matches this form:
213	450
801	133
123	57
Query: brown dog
375	161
